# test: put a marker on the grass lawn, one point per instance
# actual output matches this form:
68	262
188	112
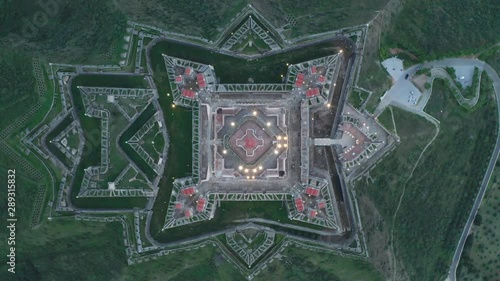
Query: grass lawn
357	99
385	119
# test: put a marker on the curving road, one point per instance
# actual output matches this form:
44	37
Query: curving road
487	176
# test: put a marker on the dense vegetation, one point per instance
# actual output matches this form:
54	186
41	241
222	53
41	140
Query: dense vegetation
69	31
17	85
438	186
480	260
433	29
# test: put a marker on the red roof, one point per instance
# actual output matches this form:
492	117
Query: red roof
188	191
321	205
179	79
188	70
312	191
188	213
201	80
312	92
178	205
299	204
188	93
313	213
321	79
313	69
200	207
299	80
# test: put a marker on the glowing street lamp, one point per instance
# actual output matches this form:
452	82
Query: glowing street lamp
224	151
232	124
240	168
268	124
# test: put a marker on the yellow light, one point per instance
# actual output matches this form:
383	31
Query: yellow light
173	105
285	137
340	51
255	113
328	105
255	170
268	124
279	145
240	168
224	151
279	137
276	152
232	124
248	177
253	177
285	145
246	170
260	167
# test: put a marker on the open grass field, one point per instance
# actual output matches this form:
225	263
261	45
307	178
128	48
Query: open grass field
63	31
202	264
300	264
444	182
65	249
480	257
432	29
17	85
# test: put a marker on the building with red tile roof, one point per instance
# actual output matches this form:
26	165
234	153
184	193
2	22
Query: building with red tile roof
299	204
311	191
188	93
188	191
201	80
201	204
188	213
312	92
299	80
313	213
